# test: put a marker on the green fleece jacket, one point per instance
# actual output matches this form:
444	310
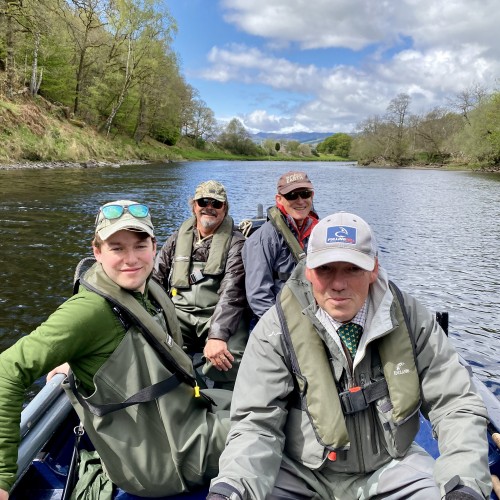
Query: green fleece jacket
83	331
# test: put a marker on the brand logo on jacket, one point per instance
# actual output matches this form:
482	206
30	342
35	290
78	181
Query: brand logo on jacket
400	370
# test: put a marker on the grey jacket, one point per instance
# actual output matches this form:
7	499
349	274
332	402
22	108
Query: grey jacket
232	302
267	422
265	254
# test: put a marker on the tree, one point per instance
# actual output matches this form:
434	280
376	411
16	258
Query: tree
467	100
83	21
431	132
236	139
269	146
337	144
396	115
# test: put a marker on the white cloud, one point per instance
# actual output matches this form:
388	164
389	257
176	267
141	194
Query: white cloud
431	49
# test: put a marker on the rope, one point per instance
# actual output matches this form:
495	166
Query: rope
245	227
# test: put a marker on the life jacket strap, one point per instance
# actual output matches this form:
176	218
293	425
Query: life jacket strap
358	398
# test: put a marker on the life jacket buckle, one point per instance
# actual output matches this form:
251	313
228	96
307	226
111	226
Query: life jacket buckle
195	276
353	400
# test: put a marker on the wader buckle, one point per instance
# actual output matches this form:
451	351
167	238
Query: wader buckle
353	400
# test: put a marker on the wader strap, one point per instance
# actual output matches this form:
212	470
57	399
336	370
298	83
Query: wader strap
145	395
281	276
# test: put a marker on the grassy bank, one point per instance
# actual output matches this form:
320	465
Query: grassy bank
37	131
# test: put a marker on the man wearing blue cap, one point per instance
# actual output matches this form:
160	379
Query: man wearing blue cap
327	399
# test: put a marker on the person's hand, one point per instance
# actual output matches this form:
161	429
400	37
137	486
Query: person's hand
496	485
216	352
58	369
4	495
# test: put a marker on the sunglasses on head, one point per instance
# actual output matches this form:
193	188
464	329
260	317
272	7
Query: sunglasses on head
293	195
138	210
205	202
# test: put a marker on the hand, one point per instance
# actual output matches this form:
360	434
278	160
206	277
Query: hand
4	495
496	485
58	369
216	352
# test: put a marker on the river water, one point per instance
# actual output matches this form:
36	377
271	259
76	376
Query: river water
438	233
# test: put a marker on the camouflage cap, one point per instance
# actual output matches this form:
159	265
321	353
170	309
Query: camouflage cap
211	189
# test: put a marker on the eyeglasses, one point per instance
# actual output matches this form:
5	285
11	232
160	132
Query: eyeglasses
111	212
293	195
205	202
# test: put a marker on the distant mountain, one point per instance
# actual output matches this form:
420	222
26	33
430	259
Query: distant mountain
302	137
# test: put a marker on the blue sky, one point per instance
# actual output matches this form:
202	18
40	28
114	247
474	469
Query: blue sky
327	65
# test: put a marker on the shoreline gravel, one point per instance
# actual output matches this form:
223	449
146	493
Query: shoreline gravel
40	165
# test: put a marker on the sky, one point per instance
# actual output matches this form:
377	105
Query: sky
326	65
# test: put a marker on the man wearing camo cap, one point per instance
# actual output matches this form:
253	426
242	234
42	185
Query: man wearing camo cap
200	265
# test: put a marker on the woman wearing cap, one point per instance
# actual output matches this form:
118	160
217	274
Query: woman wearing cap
101	332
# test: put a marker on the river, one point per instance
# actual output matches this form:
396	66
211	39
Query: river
438	232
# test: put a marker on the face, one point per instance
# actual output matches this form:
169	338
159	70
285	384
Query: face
208	218
127	258
298	209
341	288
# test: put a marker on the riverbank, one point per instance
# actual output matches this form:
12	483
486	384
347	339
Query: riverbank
47	165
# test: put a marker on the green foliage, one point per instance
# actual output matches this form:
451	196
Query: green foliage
236	139
338	144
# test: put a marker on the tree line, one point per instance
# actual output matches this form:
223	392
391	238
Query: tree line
466	130
108	63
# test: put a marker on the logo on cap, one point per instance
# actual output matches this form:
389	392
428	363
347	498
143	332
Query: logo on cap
294	177
341	234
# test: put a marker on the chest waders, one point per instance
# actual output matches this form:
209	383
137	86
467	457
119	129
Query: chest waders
151	445
195	285
326	406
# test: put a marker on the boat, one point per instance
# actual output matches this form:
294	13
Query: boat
49	427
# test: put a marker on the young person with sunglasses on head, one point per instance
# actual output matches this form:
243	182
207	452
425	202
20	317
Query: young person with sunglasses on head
200	265
107	332
272	252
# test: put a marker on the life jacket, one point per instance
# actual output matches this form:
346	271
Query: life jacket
182	276
194	286
326	406
154	436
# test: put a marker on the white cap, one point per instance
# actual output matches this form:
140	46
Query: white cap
342	237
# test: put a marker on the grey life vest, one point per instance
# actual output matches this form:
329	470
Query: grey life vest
151	444
325	405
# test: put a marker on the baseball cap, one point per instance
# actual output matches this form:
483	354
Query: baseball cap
342	237
106	227
293	180
211	189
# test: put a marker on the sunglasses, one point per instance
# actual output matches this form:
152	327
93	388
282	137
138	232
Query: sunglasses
205	202
111	212
293	195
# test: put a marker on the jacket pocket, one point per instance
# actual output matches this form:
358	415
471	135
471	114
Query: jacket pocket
301	443
397	439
